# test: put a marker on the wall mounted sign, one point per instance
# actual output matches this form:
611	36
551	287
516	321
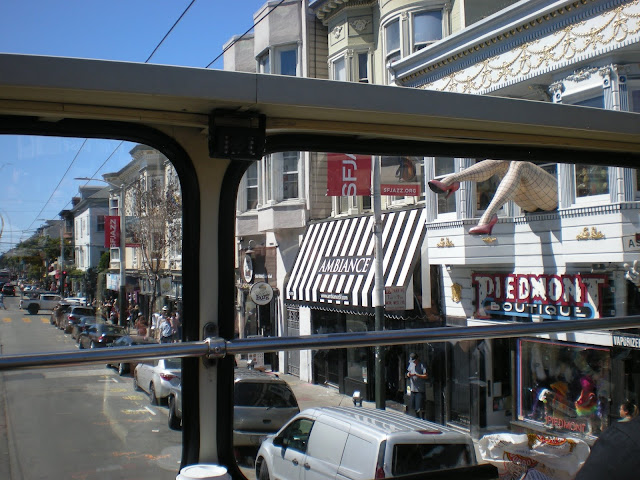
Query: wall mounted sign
247	269
552	297
261	293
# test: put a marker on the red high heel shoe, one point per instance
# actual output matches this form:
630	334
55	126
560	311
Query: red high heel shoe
439	187
484	229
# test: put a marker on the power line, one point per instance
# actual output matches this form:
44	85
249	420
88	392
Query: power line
242	36
170	30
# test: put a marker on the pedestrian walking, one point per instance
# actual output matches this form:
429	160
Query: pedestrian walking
2	306
175	327
417	375
166	334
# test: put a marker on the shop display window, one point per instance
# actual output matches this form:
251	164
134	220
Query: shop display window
564	387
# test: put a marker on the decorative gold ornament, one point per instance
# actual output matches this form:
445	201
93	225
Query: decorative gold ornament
593	234
445	243
489	239
456	292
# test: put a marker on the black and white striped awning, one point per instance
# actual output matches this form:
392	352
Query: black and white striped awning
335	264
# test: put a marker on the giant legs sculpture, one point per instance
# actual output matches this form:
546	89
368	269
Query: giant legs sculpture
525	183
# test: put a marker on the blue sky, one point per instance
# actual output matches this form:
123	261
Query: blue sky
37	174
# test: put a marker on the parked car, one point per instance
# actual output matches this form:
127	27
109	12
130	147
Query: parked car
127	341
83	324
174	400
361	444
58	311
262	404
73	316
100	334
9	290
76	300
156	378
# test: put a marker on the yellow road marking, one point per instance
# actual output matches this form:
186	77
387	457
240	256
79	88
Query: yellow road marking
44	320
26	320
6	320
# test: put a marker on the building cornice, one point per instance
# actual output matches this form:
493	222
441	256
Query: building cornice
326	9
521	42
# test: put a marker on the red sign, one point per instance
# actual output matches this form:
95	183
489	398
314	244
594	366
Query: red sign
111	231
348	175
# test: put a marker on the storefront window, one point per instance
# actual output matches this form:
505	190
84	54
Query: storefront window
357	366
564	387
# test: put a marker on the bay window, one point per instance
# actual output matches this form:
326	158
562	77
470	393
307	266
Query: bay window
426	28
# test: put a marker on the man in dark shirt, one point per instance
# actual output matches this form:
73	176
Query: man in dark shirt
616	453
417	375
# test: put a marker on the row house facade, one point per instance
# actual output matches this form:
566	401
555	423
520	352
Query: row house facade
582	53
571	52
152	256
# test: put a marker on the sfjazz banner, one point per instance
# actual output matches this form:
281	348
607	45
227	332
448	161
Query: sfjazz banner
552	297
348	175
400	176
111	231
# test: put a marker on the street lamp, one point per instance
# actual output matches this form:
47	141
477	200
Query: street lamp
122	294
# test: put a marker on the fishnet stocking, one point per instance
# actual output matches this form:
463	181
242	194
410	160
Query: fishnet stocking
530	186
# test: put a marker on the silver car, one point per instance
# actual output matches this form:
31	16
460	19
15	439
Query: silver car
262	404
156	377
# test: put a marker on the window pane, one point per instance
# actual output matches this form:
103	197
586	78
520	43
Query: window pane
289	175
427	27
339	70
393	36
288	62
264	63
252	186
363	67
591	180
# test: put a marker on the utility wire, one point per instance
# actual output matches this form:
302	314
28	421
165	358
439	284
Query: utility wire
242	36
170	30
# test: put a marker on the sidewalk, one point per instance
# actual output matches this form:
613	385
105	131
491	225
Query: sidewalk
310	395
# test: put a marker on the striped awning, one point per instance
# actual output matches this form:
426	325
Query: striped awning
335	264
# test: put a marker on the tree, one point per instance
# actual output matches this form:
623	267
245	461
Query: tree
156	229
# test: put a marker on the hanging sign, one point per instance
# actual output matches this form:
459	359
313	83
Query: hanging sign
261	293
400	176
348	175
111	231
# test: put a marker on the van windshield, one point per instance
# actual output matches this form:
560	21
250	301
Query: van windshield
416	458
260	394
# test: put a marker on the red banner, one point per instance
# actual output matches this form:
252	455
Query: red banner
348	175
111	231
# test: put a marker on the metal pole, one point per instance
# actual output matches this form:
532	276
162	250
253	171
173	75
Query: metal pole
61	262
219	347
378	290
122	297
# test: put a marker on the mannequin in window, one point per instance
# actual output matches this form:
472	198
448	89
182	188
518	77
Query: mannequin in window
527	184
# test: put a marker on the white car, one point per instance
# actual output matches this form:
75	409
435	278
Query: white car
156	377
360	444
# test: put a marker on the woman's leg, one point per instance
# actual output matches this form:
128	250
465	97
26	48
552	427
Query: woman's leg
479	172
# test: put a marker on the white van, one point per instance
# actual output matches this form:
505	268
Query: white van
360	444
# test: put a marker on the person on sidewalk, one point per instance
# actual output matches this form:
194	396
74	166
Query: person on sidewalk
2	306
166	334
417	375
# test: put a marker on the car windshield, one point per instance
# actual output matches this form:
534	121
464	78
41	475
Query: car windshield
416	458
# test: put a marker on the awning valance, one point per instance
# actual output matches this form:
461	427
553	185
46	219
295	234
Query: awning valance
335	264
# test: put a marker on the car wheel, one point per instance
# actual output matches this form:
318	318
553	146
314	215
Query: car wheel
174	421
136	386
122	369
32	309
264	471
152	395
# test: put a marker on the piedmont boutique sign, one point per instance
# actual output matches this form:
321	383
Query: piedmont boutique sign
552	297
